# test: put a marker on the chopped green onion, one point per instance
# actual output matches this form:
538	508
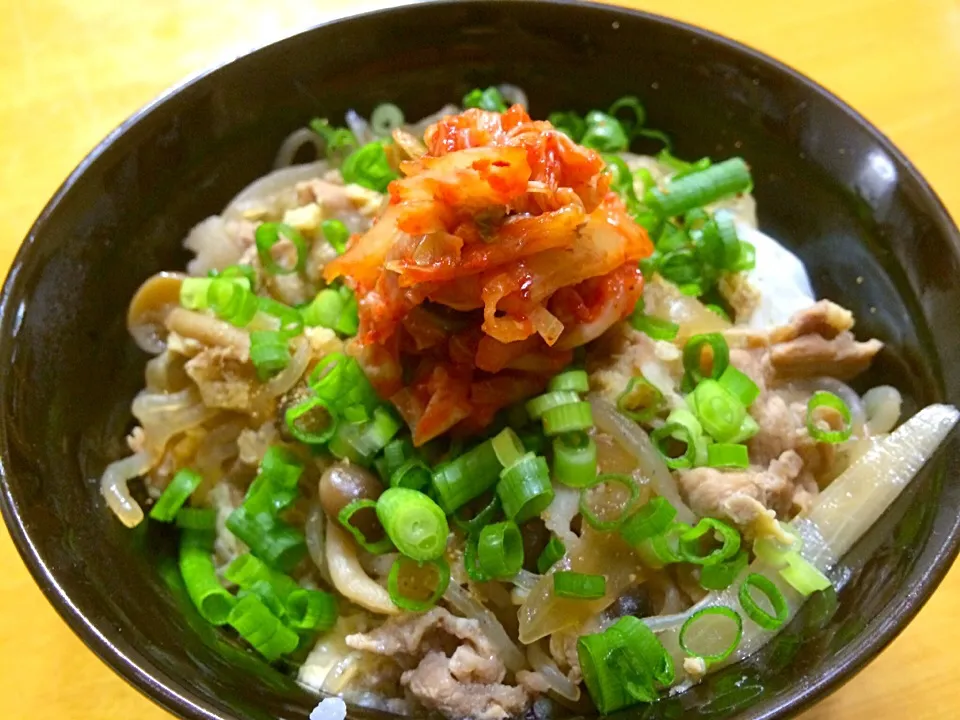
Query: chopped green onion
690	542
245	273
269	538
178	490
567	418
533	439
368	167
621	180
267	235
246	571
473	526
281	467
681	267
490	100
405	602
413	474
663	549
739	385
471	561
575	459
552	553
718	311
360	442
311	609
500	550
335	233
654	327
643	644
349	321
211	599
579	586
632	104
507	447
594	653
339	381
575	380
720	413
766	620
524	488
269	352
377	547
340	141
824	399
804	577
700	188
189	518
261	628
230	300
727	455
324	310
623	507
385	118
467	477
569	123
548	401
310	421
414	522
641	400
398	452
720	576
604	133
722	611
693	356
290	320
194	293
667	435
649	521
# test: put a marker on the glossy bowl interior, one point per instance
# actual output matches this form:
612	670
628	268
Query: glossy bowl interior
827	184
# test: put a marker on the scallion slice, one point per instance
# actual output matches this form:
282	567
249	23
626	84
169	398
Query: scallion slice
177	492
579	586
766	620
413	474
335	233
473	525
269	352
708	528
490	99
827	400
721	414
720	576
311	609
232	300
596	516
804	577
665	437
500	550
310	421
467	477
261	628
575	459
190	518
575	380
267	235
702	616
269	538
404	600
567	418
375	547
654	327
211	599
385	118
414	522
693	356
728	455
507	447
700	188
324	310
524	488
368	167
641	400
550	555
739	385
649	521
548	401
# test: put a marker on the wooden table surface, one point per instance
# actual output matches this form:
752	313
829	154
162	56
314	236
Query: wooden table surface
71	71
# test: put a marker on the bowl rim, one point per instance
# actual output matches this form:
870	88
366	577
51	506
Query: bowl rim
164	689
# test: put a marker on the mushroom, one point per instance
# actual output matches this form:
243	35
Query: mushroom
343	483
149	308
208	330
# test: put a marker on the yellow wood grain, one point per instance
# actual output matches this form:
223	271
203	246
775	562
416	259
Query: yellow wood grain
71	71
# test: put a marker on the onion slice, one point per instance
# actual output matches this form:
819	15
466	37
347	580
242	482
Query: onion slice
464	603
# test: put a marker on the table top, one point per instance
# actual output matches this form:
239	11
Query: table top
70	72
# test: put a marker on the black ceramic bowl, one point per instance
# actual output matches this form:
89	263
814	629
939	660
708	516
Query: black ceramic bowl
827	184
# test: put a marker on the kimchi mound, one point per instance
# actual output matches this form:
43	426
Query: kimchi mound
501	251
